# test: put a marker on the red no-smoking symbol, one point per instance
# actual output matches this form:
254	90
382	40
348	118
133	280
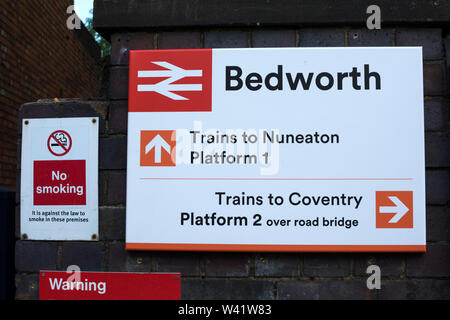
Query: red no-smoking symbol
59	143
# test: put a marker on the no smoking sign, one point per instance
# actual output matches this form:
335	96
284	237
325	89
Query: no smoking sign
59	143
59	194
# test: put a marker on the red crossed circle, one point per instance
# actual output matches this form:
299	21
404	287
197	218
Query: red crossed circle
65	150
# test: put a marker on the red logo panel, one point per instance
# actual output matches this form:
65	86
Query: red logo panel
170	81
60	182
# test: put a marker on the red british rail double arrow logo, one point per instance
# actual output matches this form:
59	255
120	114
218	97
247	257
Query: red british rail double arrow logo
170	81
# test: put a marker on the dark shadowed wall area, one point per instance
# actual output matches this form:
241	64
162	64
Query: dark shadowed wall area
39	58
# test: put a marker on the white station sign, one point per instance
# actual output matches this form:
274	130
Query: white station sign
59	179
285	149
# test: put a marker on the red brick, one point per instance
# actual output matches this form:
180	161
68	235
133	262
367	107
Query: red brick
437	187
438	224
434	263
19	154
35	256
186	263
437	150
324	290
122	43
179	40
227	265
118	117
326	265
433	79
102	179
277	265
113	153
436	114
208	289
116	188
321	37
89	256
112	223
414	289
120	260
118	83
370	38
274	38
226	39
428	38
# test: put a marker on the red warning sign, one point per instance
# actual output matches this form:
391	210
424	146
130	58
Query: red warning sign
61	182
58	285
59	143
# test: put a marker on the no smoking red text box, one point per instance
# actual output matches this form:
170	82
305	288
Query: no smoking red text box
59	182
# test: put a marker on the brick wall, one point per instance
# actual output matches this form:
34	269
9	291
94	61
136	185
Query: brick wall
256	275
39	58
